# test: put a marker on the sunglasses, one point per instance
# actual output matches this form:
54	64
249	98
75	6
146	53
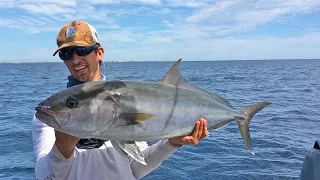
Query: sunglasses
67	53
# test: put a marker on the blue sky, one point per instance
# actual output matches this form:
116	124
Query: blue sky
166	30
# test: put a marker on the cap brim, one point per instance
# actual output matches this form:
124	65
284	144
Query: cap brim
70	44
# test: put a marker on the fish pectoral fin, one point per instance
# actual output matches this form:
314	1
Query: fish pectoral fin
135	118
130	148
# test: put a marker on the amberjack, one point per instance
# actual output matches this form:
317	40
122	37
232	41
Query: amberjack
128	111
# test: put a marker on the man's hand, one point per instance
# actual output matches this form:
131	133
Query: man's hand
65	143
199	132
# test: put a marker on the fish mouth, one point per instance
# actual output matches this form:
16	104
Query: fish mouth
46	115
44	110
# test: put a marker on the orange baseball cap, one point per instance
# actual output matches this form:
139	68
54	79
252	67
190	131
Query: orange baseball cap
77	33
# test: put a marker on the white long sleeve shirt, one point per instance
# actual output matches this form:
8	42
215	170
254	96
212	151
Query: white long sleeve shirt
100	163
311	165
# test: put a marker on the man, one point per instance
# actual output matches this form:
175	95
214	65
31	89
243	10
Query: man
311	164
62	156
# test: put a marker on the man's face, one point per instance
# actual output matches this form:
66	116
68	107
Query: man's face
85	68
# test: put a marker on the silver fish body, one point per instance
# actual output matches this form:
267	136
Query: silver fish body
173	112
129	111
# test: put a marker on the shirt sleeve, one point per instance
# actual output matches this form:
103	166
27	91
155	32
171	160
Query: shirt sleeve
311	165
49	162
153	156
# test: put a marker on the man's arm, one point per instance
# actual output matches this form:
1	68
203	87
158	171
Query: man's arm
43	138
65	143
159	152
49	160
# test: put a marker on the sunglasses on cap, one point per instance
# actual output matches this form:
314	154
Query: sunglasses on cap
67	53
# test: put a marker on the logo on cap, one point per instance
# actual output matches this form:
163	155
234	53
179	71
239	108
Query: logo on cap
71	32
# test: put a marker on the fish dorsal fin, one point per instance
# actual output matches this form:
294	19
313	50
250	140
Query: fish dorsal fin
174	78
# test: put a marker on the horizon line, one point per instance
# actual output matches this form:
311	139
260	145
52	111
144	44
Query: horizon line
113	61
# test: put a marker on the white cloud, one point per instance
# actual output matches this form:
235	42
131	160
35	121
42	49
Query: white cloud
7	4
222	16
223	49
150	2
190	28
16	3
208	12
229	48
168	23
28	25
165	11
48	9
105	1
226	17
189	3
154	2
122	36
58	2
260	17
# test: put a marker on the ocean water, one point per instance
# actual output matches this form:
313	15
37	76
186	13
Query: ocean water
282	133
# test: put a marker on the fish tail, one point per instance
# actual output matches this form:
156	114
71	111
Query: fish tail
244	121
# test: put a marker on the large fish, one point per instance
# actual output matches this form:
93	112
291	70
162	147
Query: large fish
128	111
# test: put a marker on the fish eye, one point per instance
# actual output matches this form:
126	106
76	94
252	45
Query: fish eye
72	102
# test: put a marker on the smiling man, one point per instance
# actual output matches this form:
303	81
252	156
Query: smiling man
62	156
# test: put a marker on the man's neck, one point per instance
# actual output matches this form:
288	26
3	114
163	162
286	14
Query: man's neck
97	76
72	81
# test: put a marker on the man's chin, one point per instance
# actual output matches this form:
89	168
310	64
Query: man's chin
82	77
